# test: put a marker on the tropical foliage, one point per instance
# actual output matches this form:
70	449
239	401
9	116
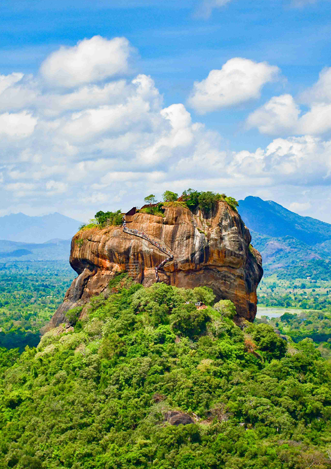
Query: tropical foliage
30	292
97	395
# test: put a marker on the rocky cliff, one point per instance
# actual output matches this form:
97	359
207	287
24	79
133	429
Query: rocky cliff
213	251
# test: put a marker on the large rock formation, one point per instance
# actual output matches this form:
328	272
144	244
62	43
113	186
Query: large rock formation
214	251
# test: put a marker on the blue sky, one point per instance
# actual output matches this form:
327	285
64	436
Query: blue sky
269	137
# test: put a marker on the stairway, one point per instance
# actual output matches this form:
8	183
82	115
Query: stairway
141	234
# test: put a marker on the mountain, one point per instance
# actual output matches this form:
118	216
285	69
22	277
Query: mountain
271	219
22	228
56	249
285	239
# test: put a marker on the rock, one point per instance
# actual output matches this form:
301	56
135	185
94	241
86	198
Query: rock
178	418
212	251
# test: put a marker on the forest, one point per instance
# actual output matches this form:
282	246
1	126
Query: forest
30	292
106	392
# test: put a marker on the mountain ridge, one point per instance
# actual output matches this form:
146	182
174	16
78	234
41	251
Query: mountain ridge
23	228
284	238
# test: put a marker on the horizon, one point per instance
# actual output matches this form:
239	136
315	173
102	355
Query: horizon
84	221
99	101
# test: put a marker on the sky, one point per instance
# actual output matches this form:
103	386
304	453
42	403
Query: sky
104	102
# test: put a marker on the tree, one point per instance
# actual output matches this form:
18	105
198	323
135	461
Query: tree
150	199
191	197
226	308
169	196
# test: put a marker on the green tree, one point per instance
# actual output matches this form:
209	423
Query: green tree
226	308
150	199
169	196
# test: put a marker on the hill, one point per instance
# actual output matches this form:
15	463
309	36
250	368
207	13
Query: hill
22	228
271	219
146	379
56	249
286	240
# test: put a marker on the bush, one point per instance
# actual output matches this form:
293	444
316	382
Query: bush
155	210
109	218
73	314
206	201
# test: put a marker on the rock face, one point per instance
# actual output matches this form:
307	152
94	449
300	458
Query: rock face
211	251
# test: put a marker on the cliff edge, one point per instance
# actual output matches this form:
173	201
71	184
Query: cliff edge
182	248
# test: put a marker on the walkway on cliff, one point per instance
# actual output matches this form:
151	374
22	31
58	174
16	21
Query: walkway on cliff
141	234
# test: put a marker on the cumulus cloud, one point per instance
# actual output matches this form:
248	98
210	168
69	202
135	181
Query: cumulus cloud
19	125
91	60
207	6
282	116
240	80
105	145
320	92
276	117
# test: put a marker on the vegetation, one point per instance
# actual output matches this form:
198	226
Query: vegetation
98	396
150	199
169	196
30	292
102	219
302	293
206	201
312	325
156	210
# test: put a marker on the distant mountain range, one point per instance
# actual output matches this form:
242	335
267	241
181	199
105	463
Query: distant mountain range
285	239
54	250
22	228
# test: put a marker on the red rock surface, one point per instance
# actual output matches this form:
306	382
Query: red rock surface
213	251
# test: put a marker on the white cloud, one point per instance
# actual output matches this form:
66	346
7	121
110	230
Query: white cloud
8	80
320	92
239	81
104	146
300	207
56	187
207	6
91	60
295	160
276	117
19	125
282	116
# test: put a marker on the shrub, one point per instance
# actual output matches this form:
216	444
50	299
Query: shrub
232	202
206	201
109	218
73	314
155	210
